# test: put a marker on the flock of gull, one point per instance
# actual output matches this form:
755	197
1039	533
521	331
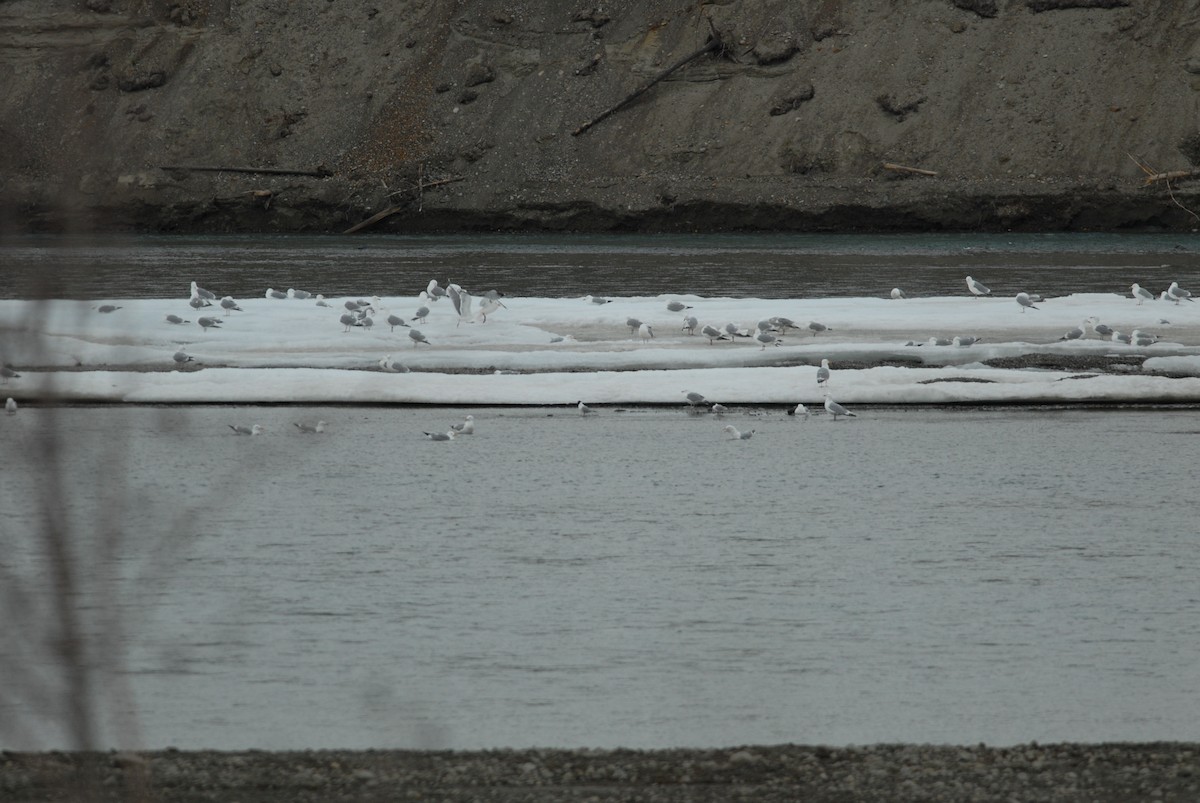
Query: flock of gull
361	313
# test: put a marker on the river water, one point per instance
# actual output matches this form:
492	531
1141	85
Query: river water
632	579
629	579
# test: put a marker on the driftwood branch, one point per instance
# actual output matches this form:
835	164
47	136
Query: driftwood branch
420	187
1172	175
1153	176
904	169
714	44
320	172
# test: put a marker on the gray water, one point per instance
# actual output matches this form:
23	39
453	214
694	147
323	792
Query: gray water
745	265
923	575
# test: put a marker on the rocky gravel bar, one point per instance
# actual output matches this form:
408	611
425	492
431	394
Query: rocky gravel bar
1103	773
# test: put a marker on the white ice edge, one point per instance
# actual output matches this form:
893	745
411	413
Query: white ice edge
293	351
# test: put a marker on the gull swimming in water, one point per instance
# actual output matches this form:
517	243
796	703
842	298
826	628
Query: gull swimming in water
441	436
309	429
207	323
823	373
467	427
977	288
228	304
677	306
416	337
584	409
735	434
175	319
835	409
391	366
1141	293
816	327
646	332
394	321
1023	300
238	429
898	293
276	294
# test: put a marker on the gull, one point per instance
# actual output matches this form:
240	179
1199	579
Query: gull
1140	338
206	323
977	288
766	338
347	320
441	436
598	300
816	327
200	292
898	293
835	409
713	333
689	324
196	302
467	427
800	410
1141	293
488	306
238	429
645	332
1177	293
352	306
1117	337
1024	301
392	367
732	329
694	398
734	434
633	324
1099	328
175	319
228	304
321	302
273	293
394	321
421	314
766	326
677	306
366	322
461	300
417	338
10	406
298	294
309	429
7	373
964	340
719	408
432	291
584	409
939	341
1078	332
823	373
181	358
107	308
783	324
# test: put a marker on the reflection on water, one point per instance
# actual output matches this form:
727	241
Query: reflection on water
763	266
945	576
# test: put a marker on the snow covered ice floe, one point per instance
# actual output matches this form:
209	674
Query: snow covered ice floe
546	351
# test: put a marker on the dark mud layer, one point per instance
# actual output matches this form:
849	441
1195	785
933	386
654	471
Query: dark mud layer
1104	773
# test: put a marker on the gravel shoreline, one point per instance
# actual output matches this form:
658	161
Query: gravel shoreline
1104	773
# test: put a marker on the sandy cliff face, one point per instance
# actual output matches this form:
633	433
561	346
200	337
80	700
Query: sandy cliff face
1031	113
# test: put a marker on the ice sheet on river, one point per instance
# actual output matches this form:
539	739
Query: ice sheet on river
557	351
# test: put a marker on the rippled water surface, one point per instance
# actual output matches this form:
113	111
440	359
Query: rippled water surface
927	575
763	266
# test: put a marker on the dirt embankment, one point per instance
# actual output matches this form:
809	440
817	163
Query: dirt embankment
465	116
